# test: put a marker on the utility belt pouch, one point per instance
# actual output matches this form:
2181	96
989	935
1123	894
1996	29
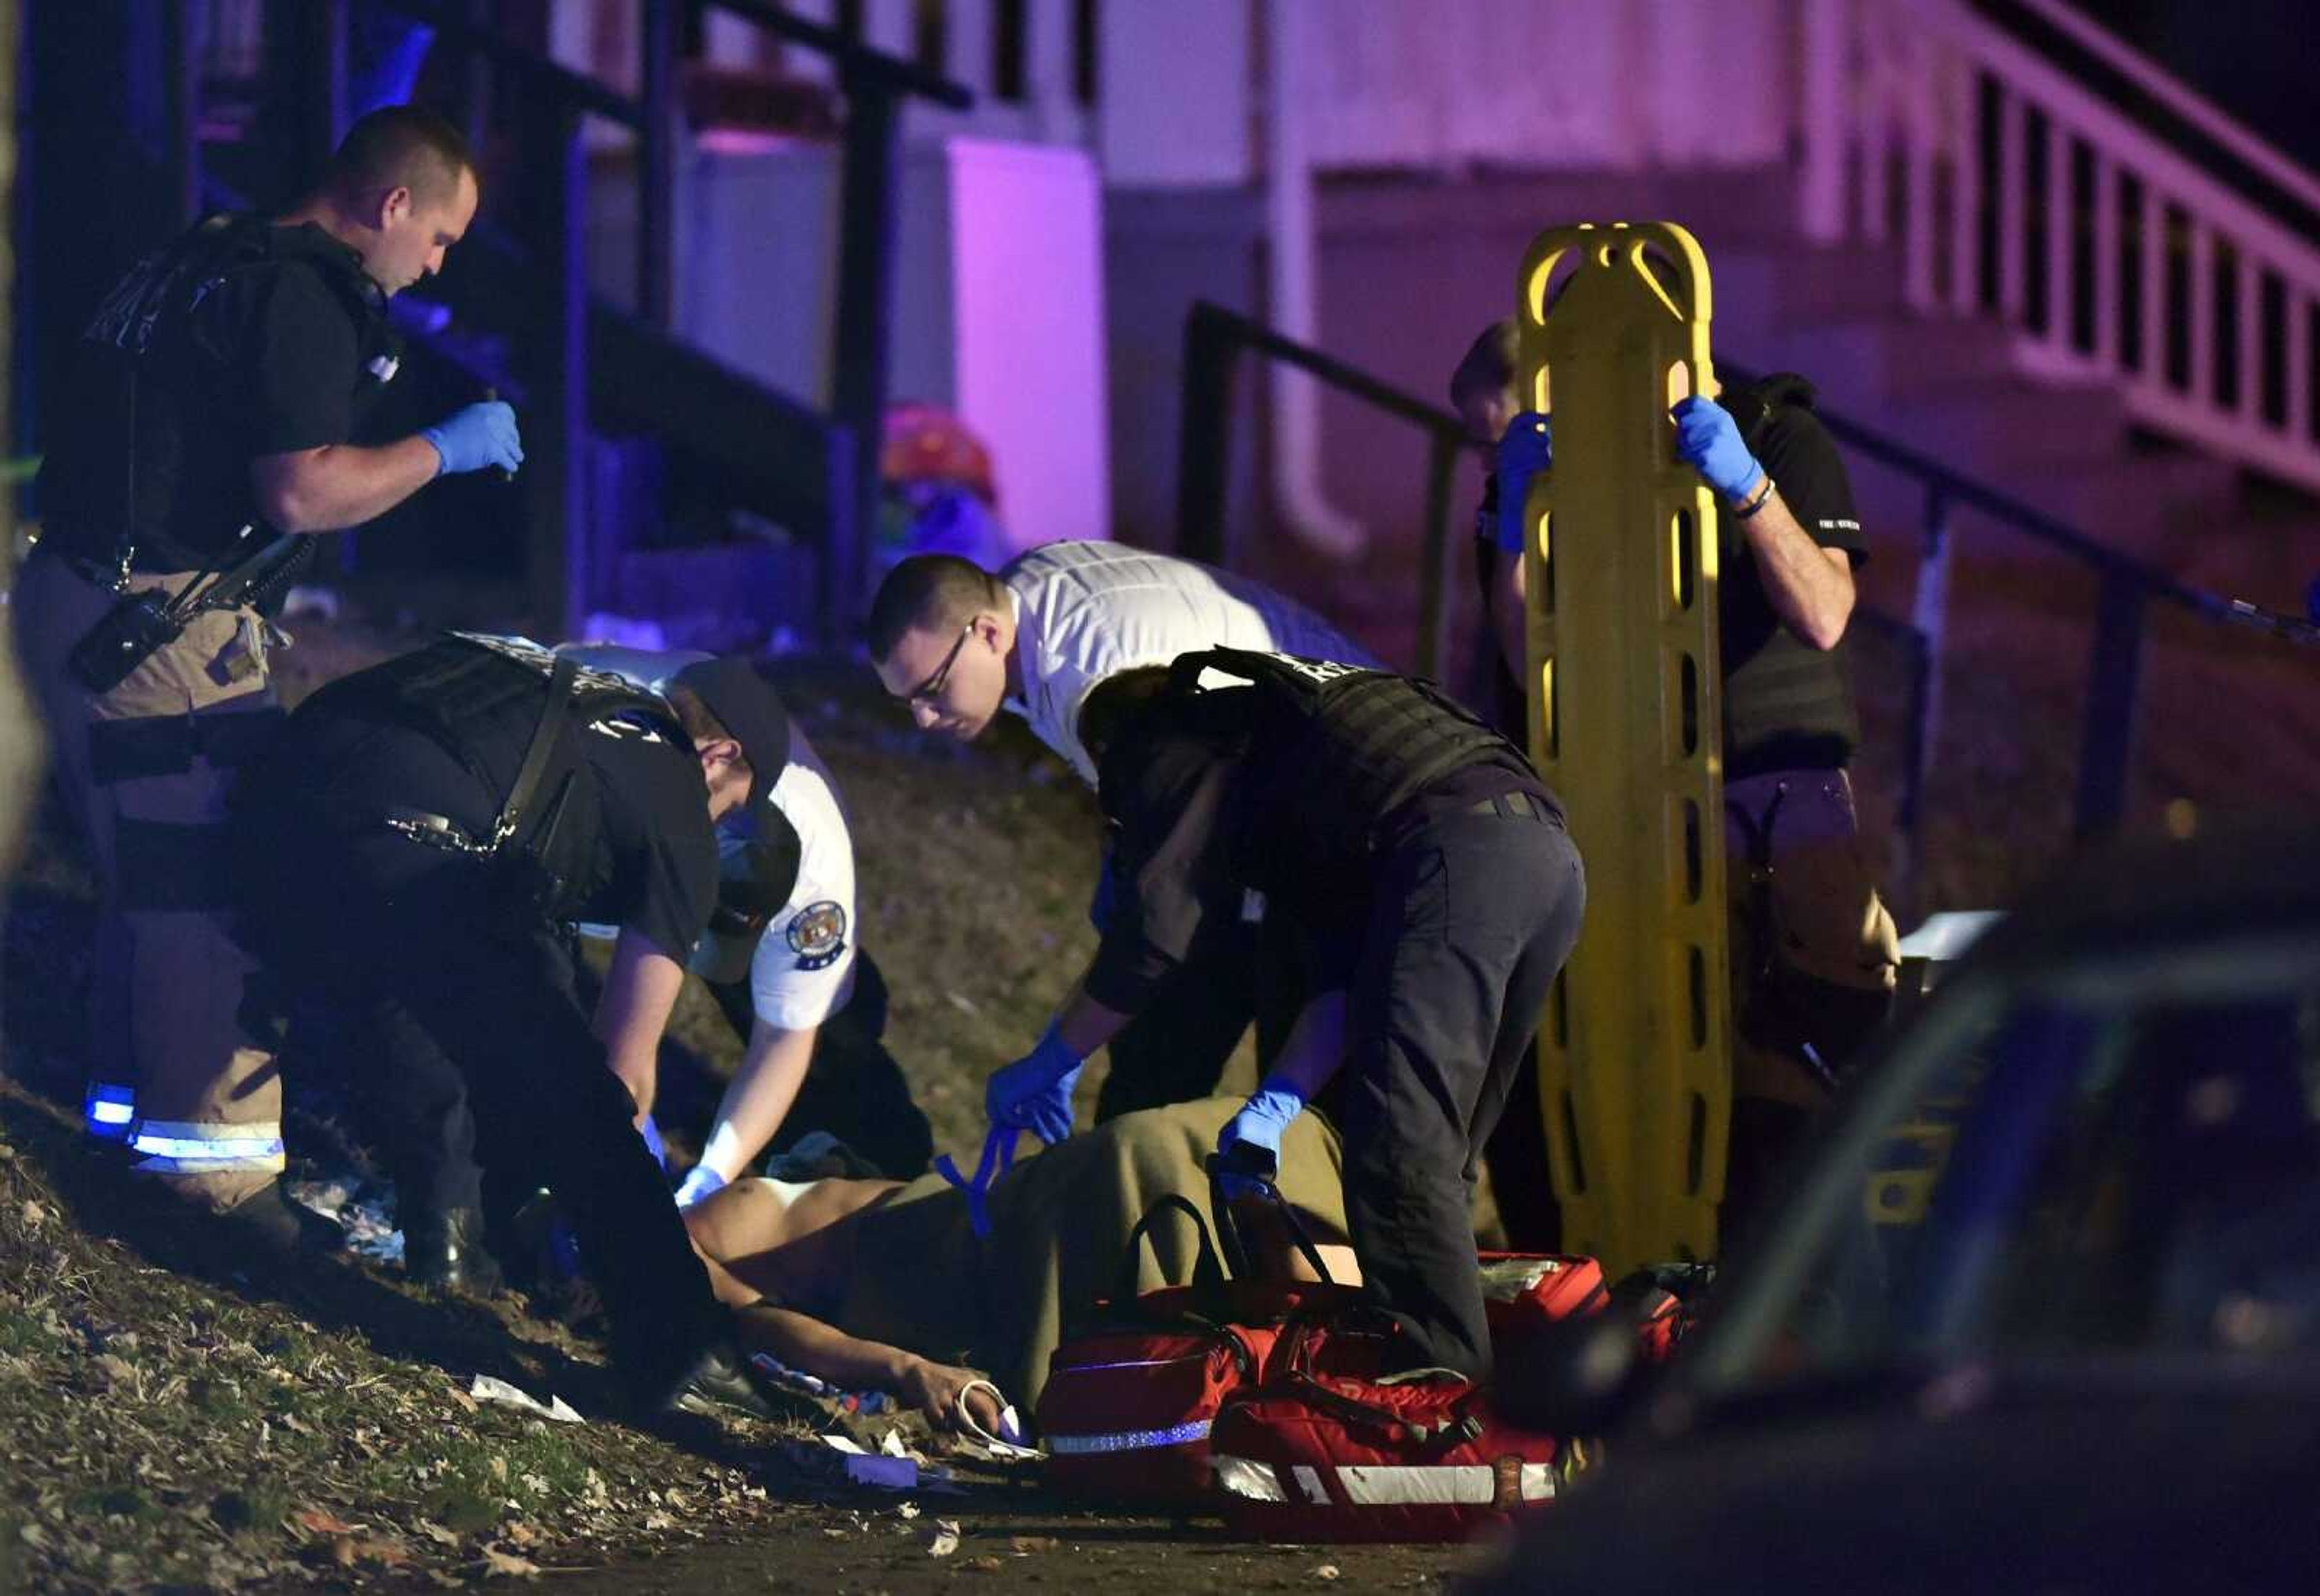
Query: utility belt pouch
125	638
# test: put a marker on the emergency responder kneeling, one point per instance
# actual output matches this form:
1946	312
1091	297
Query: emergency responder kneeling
409	851
1426	874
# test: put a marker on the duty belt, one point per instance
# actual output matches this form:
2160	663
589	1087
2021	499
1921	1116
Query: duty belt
1514	806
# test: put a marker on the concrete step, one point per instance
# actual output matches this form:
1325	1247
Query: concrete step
1817	286
1860	360
2003	428
2138	505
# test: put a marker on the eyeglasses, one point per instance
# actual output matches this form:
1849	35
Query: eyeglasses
928	690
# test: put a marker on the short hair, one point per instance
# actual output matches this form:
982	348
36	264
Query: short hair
400	147
1489	364
935	591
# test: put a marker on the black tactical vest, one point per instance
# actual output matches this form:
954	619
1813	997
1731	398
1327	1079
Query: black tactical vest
480	698
138	461
1333	751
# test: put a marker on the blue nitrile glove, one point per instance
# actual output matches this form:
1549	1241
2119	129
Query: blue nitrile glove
1034	1093
653	1143
998	1158
479	436
1707	439
1525	448
1248	1149
699	1181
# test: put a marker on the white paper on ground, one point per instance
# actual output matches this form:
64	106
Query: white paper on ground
489	1387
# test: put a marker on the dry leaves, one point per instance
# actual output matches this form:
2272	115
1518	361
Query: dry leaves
499	1564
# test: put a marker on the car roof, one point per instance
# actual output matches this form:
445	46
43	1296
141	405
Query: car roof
2143	892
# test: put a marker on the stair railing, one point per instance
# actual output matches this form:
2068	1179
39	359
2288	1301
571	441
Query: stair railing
564	570
2124	228
1216	339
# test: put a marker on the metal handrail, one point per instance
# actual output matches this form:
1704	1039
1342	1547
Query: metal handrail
876	84
856	62
1215	337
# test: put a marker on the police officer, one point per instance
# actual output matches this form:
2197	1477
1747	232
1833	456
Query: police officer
790	975
1426	874
1814	951
409	851
958	645
207	415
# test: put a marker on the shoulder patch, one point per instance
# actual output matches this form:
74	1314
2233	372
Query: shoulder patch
817	934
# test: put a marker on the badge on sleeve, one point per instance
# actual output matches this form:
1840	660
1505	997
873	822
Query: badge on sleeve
817	934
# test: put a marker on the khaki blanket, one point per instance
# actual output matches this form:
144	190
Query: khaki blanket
1059	1222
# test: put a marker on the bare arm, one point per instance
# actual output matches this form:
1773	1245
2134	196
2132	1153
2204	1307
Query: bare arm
758	1098
804	1342
1315	1047
1810	586
1510	615
340	484
640	990
1084	1024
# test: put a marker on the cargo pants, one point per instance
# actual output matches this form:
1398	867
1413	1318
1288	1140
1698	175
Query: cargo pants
144	770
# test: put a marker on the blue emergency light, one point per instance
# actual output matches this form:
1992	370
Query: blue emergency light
107	1111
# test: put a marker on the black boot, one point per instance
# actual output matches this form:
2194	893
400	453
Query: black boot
447	1249
269	1224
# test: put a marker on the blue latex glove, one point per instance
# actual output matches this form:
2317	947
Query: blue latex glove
653	1143
1248	1149
699	1181
1707	439
479	436
1525	448
1034	1093
998	1158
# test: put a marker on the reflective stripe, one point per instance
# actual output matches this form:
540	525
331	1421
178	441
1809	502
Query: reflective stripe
106	1110
1127	1440
1470	1484
184	1145
1466	1483
166	1165
1246	1477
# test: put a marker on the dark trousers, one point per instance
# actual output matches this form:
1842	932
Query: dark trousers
469	993
1469	923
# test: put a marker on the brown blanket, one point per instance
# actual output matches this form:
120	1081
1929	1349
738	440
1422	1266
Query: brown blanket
1059	1223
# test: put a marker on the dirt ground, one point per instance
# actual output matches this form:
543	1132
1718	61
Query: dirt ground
170	1421
169	1424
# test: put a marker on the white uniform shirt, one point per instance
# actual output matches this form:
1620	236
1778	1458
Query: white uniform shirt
802	972
1084	612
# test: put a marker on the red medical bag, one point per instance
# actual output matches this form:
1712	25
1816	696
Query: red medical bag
1129	1398
1327	1448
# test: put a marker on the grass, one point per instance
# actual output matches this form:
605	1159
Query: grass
168	1426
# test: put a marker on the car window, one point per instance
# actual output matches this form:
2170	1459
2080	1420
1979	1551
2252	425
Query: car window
2106	1165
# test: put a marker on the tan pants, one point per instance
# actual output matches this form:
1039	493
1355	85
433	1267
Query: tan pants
144	769
1814	951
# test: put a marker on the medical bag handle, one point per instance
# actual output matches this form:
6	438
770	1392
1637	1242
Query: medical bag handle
1207	1273
1229	1236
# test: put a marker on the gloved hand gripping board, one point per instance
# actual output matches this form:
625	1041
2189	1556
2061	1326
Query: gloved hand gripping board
1620	556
